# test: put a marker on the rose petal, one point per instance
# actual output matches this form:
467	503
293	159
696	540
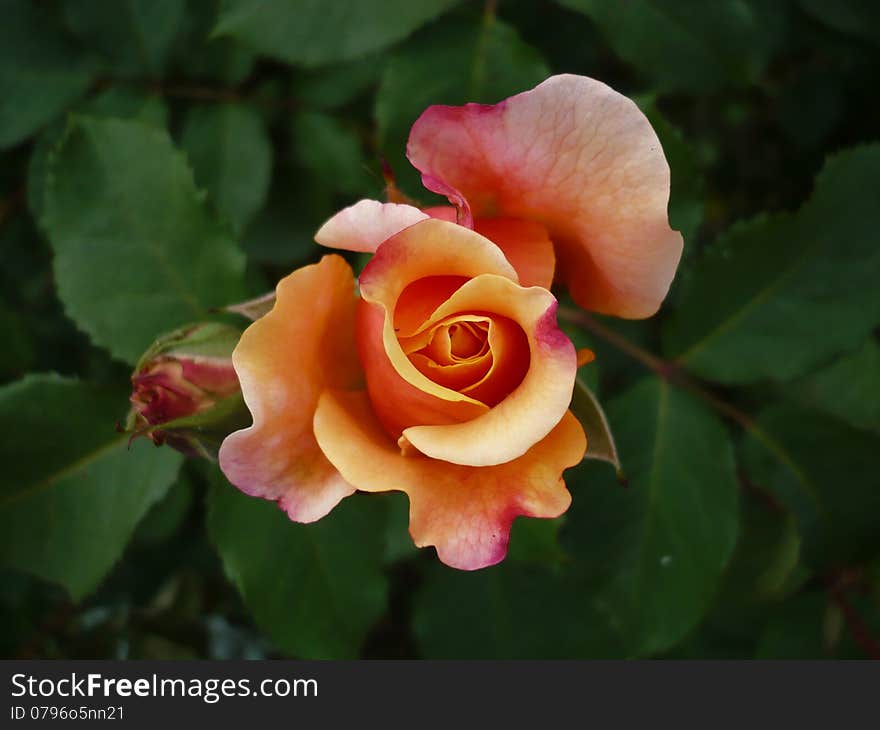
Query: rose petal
488	377
465	512
284	360
578	157
509	347
531	411
431	352
526	244
403	396
366	224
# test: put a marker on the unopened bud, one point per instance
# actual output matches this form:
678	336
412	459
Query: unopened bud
185	391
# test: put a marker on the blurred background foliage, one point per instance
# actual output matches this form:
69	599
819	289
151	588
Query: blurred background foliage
164	157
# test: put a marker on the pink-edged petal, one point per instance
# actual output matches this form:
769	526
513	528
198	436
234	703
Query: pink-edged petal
581	159
284	360
366	224
461	208
465	512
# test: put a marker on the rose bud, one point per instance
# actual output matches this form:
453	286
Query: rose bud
185	391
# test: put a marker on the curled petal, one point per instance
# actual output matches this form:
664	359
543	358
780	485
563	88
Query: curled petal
284	360
433	352
581	159
465	512
403	395
366	224
538	402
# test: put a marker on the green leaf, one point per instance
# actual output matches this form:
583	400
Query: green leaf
314	589
331	153
117	101
125	102
795	630
136	252
168	515
848	389
511	611
198	56
41	71
479	63
687	45
656	549
132	36
766	557
398	542
314	33
18	346
336	86
536	541
72	491
231	157
282	233
780	294
825	472
600	440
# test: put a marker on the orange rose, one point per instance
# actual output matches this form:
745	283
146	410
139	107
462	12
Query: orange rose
445	376
444	379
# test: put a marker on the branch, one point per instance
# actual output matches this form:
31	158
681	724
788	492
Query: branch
669	371
855	624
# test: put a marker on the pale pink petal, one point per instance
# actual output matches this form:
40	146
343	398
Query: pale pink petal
578	157
366	224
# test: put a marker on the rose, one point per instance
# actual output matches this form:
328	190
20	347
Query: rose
447	376
445	379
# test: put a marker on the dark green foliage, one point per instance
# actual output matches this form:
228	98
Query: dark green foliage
231	157
161	159
686	45
136	252
825	473
764	302
653	551
41	71
315	33
66	513
314	589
